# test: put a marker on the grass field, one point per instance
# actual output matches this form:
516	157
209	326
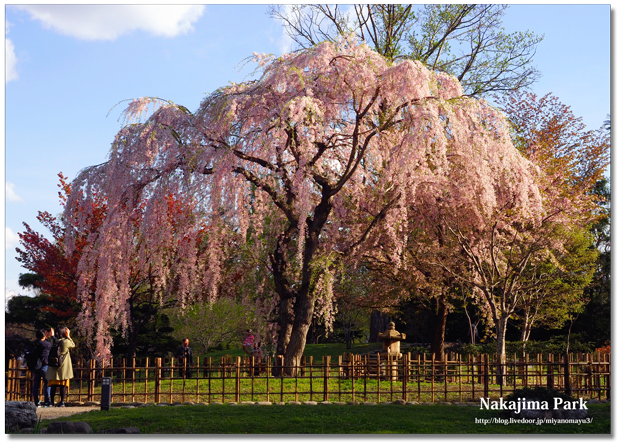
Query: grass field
320	419
299	389
328	419
424	388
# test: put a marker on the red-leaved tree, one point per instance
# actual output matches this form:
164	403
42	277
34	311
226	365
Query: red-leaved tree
58	267
47	257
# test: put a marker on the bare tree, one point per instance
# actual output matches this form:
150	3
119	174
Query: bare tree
466	41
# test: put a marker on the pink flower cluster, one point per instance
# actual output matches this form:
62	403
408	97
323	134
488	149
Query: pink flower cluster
334	126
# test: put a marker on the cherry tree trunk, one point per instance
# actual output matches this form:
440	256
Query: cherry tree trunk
500	327
285	322
285	308
133	345
525	333
348	334
133	335
439	335
304	310
379	322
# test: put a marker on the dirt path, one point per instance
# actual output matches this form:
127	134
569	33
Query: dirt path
52	413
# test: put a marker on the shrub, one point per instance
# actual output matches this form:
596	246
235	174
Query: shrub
416	349
604	349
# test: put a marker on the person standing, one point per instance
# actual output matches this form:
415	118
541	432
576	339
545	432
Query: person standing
58	377
42	350
185	359
49	335
51	339
257	353
248	342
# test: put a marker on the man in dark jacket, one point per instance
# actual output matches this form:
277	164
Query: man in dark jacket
42	350
51	339
184	358
49	335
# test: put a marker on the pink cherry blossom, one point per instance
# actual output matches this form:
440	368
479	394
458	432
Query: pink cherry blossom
298	169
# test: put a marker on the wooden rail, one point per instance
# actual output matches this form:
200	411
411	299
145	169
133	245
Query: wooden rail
347	378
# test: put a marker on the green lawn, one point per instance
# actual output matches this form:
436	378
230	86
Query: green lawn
284	389
326	419
199	389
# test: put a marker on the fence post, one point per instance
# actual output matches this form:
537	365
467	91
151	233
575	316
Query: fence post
550	371
157	379
9	381
268	367
237	379
133	379
526	369
27	387
349	369
445	378
607	358
20	381
352	364
486	375
592	386
602	372
405	374
460	376
326	363
567	387
433	378
91	379
147	369
9	394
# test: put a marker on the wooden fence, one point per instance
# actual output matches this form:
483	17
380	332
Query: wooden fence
347	378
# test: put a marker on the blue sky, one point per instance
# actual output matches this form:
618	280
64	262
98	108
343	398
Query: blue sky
67	67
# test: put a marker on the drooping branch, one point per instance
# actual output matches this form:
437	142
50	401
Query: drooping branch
372	225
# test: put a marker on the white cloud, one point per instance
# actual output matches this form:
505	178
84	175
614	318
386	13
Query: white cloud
8	294
11	239
285	42
10	60
11	286
11	195
107	22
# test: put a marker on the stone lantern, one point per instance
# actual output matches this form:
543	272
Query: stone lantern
391	341
391	349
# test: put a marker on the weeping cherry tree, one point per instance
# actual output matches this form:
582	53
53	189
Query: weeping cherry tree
319	159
